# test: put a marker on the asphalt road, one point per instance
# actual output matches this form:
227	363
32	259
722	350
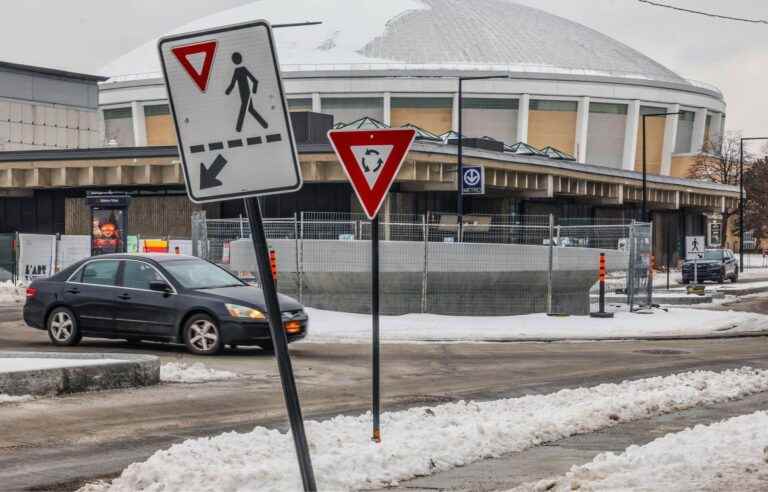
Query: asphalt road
55	444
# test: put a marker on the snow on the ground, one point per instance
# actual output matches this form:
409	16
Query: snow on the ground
424	440
4	398
728	455
326	326
16	364
181	372
11	293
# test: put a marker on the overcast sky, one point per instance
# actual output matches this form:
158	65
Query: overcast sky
84	35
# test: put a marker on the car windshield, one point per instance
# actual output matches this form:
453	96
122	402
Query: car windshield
716	255
198	274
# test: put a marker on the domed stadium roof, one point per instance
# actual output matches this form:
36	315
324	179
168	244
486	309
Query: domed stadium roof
424	34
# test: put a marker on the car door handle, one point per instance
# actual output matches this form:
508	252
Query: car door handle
73	290
124	297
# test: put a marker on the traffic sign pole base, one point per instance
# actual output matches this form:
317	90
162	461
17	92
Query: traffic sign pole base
601	315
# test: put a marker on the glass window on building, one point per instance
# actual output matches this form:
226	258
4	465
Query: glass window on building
605	134
495	118
684	132
300	104
159	123
553	123
434	114
655	140
118	127
349	109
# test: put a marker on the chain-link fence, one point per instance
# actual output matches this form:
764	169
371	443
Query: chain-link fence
483	265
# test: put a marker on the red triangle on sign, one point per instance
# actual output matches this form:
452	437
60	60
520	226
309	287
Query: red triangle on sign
371	159
200	77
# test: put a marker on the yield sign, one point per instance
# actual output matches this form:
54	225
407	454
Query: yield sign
197	60
371	159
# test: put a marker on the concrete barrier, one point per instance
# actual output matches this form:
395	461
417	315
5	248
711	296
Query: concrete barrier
132	371
440	278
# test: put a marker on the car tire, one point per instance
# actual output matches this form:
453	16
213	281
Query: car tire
62	327
735	277
202	335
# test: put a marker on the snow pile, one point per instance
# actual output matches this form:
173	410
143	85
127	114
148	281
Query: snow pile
421	441
729	455
181	372
11	293
4	398
331	326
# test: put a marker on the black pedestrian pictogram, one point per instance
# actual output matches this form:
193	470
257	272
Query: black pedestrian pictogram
695	245
247	85
379	162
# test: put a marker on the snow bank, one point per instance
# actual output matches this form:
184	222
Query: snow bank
181	372
15	399
421	441
330	326
729	455
11	293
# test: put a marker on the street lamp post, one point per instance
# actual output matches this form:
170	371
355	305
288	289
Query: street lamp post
741	198
644	214
460	155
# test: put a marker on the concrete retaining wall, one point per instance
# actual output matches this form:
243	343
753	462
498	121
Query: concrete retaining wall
133	371
440	278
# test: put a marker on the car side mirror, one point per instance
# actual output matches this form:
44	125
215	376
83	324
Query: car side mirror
160	286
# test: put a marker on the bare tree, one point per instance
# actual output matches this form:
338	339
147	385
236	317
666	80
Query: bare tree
718	162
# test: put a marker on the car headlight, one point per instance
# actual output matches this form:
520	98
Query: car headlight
237	311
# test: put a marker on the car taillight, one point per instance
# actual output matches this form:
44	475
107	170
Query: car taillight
31	292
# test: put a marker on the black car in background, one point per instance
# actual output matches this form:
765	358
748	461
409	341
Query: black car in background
716	265
166	298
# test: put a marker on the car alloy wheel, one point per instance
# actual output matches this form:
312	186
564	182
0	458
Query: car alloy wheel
62	327
202	335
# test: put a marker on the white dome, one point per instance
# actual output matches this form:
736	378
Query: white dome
424	34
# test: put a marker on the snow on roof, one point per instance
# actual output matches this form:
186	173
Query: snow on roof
426	34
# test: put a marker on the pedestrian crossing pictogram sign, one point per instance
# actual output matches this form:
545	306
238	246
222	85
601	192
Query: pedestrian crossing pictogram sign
232	122
371	159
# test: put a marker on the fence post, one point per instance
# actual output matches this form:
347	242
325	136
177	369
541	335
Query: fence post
424	286
549	267
631	270
300	258
242	229
649	283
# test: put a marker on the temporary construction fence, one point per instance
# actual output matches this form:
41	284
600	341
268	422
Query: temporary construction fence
487	265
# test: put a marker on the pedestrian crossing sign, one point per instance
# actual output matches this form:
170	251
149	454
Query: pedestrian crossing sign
232	123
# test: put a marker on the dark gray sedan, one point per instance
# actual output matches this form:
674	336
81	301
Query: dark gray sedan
166	298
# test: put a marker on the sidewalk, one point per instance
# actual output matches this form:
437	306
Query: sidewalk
557	458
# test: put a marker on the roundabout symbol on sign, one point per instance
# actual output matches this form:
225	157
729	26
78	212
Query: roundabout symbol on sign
472	177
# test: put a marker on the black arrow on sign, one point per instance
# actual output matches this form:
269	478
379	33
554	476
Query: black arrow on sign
208	177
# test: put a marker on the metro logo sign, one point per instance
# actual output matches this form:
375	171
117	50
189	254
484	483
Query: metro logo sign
371	159
186	56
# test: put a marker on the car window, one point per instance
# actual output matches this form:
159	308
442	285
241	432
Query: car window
102	272
198	274
712	254
138	275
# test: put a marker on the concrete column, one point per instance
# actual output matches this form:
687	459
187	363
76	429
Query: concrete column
630	136
387	108
699	124
670	138
582	128
522	118
455	113
316	103
139	124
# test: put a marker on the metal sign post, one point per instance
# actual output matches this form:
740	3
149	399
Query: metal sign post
371	160
235	141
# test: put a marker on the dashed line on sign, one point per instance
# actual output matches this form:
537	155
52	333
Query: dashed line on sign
235	143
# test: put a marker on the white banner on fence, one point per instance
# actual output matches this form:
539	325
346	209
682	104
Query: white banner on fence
72	249
184	246
37	253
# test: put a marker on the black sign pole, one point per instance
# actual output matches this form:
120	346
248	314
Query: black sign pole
280	343
376	400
